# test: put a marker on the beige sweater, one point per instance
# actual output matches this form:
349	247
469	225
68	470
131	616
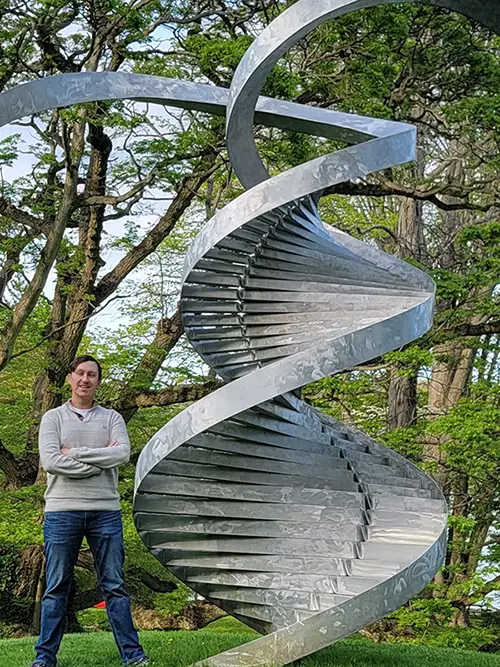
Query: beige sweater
87	478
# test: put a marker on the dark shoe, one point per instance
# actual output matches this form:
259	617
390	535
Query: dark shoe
37	663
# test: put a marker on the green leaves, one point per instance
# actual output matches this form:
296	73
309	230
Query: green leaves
20	517
410	359
216	56
9	149
451	286
470	434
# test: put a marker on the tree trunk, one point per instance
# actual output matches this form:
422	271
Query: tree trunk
450	376
74	312
402	395
37	610
30	581
402	400
411	243
18	472
72	307
27	302
168	332
72	622
461	619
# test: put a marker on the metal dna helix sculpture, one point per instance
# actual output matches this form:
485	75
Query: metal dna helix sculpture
298	525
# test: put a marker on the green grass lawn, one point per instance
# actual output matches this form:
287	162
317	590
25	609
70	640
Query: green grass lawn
179	649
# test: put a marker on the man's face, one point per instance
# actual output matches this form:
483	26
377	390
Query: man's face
84	380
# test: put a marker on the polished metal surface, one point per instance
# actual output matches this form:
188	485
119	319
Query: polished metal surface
300	526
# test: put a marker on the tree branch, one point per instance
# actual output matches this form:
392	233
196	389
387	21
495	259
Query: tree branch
182	393
153	582
8	210
64	326
109	200
20	471
184	197
473	330
168	332
26	304
489	587
387	188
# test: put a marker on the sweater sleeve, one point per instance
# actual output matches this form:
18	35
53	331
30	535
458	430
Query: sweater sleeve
55	463
107	457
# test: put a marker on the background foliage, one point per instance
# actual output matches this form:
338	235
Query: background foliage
98	204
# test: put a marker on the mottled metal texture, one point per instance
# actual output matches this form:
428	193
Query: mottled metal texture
300	526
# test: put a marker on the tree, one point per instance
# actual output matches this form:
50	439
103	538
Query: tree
98	164
93	165
447	223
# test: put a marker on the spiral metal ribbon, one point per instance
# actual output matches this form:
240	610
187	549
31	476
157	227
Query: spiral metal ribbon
300	526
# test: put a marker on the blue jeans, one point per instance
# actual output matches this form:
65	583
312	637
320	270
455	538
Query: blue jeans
63	535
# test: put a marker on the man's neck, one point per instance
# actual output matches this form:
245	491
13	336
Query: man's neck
81	404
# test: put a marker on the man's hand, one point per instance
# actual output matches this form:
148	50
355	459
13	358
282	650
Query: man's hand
65	450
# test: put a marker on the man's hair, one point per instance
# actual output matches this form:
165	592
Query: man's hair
81	359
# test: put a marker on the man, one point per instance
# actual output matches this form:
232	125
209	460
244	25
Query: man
81	446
